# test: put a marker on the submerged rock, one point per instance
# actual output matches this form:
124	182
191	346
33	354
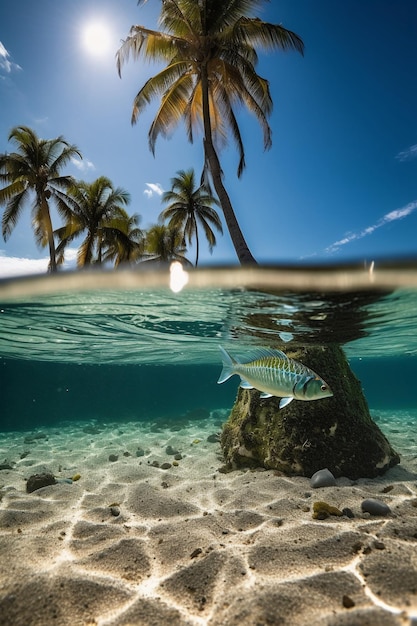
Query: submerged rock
302	438
322	478
92	430
37	481
375	507
34	438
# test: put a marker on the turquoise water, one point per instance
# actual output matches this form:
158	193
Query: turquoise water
125	346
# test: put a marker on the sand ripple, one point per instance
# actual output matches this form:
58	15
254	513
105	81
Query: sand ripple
131	543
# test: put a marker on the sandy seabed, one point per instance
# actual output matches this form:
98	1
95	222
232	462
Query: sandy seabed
142	540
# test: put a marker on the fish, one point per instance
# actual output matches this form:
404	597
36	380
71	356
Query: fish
273	373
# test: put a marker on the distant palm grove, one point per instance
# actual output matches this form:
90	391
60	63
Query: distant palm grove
209	48
94	213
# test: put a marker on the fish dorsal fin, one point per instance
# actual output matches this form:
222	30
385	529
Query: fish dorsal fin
266	353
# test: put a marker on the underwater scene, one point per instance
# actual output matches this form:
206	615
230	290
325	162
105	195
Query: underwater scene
135	489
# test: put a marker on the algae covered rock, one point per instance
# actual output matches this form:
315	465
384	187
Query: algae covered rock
323	510
337	433
37	481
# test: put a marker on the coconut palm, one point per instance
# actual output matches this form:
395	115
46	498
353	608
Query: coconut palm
189	208
35	170
123	241
164	245
209	47
93	207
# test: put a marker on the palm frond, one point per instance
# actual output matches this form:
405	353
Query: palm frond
12	212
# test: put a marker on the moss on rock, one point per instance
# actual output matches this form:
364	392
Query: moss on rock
304	437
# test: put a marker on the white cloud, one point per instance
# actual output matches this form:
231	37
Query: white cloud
5	63
71	254
153	188
19	266
70	258
392	216
407	155
83	165
41	120
11	266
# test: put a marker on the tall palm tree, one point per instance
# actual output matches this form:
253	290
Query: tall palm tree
123	241
93	206
210	50
164	245
35	169
189	207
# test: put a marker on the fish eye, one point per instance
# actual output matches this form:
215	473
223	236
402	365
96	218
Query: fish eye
323	387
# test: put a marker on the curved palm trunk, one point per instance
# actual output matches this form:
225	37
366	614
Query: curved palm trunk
46	219
88	257
197	241
242	250
100	249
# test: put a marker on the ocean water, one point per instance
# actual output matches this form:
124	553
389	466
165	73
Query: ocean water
126	346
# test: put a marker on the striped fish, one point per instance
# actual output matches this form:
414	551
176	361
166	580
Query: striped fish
273	373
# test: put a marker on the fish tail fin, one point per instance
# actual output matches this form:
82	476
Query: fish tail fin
228	366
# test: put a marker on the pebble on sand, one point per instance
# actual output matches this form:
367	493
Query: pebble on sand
322	478
375	507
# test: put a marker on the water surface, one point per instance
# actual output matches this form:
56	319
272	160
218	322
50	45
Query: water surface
123	345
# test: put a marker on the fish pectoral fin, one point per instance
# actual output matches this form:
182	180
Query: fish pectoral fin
245	385
285	402
265	395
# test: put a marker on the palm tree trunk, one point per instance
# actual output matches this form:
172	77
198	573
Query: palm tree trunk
46	218
242	250
197	241
196	249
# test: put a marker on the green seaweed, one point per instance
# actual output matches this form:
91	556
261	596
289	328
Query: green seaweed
322	510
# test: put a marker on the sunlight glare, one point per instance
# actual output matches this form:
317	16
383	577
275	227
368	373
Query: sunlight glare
96	38
178	277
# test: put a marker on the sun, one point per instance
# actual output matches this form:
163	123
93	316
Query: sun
96	38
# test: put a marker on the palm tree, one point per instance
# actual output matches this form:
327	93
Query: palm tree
164	245
35	168
123	241
210	50
190	207
93	207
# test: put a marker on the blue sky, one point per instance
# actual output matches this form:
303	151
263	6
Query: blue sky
340	182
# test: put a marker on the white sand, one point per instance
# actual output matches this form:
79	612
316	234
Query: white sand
191	545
